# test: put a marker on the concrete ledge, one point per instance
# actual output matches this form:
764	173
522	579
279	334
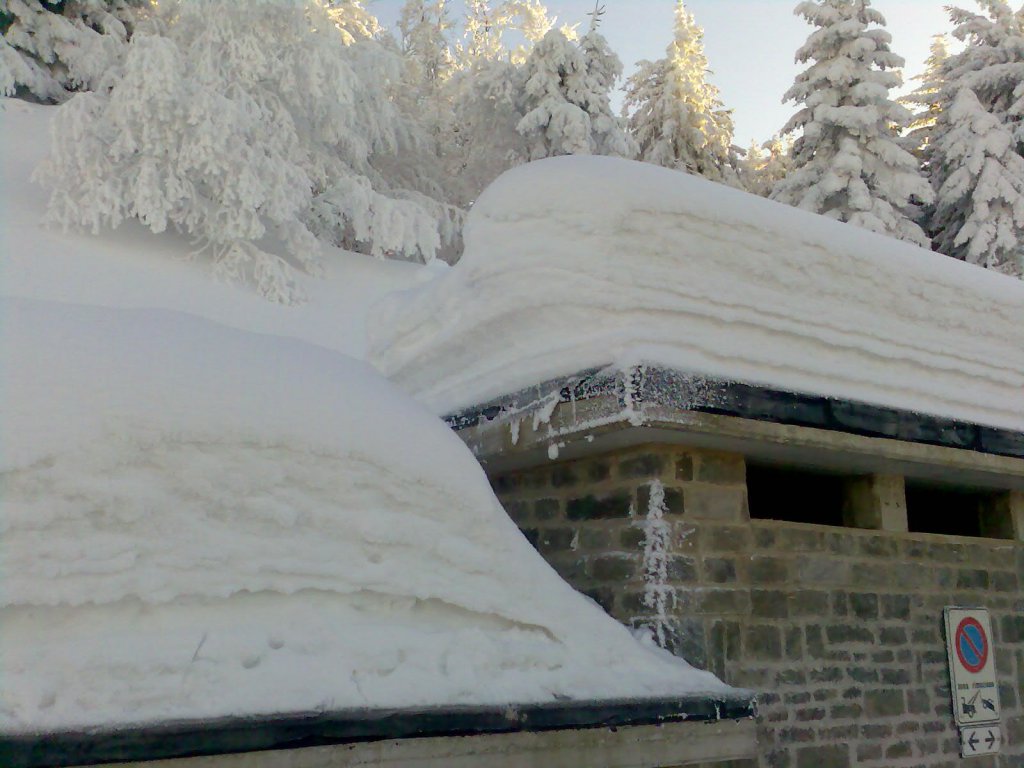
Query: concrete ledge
216	740
599	411
672	744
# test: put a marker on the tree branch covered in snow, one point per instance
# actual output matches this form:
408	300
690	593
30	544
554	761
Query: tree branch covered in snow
255	129
51	47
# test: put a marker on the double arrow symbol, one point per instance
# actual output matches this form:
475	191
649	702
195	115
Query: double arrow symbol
989	742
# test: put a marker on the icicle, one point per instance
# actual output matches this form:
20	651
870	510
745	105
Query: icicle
659	595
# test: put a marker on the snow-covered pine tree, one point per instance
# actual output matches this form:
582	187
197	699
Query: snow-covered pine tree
979	211
564	98
992	62
975	153
849	164
482	34
247	127
926	98
531	19
51	47
353	20
602	69
765	165
675	115
552	123
424	26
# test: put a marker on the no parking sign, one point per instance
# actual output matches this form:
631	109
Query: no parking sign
972	675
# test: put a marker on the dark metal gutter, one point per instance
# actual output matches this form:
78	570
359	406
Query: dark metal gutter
658	386
241	735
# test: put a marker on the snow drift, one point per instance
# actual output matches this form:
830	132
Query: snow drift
575	262
201	521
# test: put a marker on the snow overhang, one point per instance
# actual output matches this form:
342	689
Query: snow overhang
604	409
733	714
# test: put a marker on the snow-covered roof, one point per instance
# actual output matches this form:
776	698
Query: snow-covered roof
207	512
580	262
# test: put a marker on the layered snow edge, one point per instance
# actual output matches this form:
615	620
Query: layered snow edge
574	263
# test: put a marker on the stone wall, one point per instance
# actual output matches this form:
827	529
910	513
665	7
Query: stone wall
839	630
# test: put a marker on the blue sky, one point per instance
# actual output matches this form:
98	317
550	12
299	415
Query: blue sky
749	44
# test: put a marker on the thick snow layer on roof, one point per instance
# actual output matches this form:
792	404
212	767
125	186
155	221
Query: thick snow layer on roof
575	262
200	520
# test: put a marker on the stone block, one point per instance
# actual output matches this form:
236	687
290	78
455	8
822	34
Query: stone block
810	714
768	570
721	468
793	677
867	752
547	509
831	756
616	568
972	579
896	677
895	607
718	570
726	538
597	471
769	604
764	642
552	540
822	570
849	633
876	502
674	502
632	537
684	468
645	465
592	507
864	605
721	601
794	643
563	475
846	711
799	539
899	750
725	503
808	603
682	570
591	539
894	636
1011	629
885	703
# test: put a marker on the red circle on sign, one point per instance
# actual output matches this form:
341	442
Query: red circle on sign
963	636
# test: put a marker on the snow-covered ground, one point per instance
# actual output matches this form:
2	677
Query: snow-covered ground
577	262
210	506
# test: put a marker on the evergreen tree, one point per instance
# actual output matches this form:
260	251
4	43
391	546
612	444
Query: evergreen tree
676	116
926	98
976	152
424	25
980	179
51	47
764	165
249	128
602	69
992	62
552	123
565	98
849	164
352	19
